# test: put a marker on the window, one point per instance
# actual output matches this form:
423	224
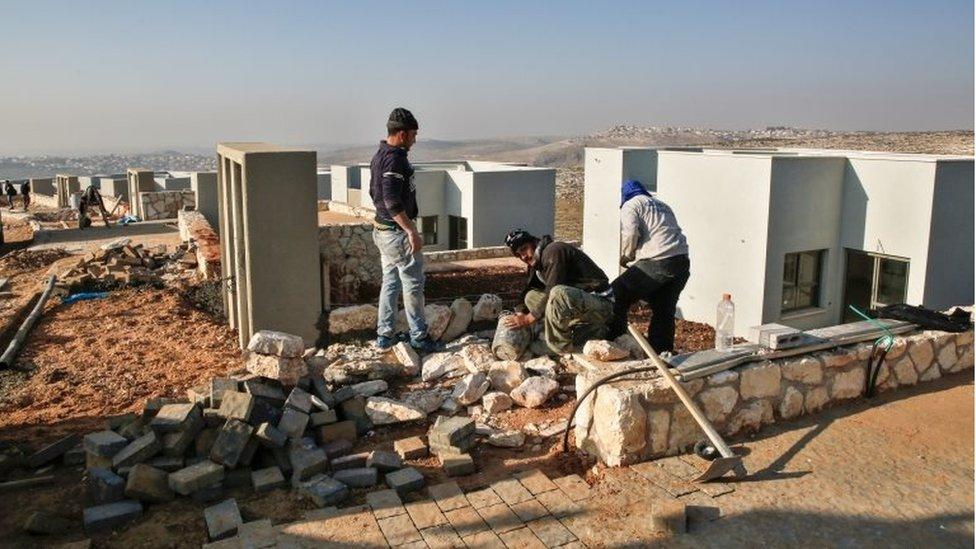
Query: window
801	280
872	281
458	230
427	227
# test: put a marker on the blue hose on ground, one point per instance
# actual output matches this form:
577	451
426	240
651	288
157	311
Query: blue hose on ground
83	296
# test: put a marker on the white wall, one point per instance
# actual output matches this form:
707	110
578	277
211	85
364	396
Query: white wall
430	201
804	215
722	205
949	271
504	200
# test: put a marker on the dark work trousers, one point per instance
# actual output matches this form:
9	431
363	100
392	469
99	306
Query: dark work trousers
658	283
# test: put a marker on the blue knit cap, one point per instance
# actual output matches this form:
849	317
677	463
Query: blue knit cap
630	189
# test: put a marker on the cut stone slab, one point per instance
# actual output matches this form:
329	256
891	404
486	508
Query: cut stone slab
269	342
411	448
270	436
399	530
231	442
542	366
470	388
384	461
441	536
236	405
604	351
351	461
483	498
300	400
441	364
496	401
506	375
149	484
218	386
386	411
267	479
336	448
324	491
307	462
104	486
500	518
488	307
356	477
325	417
53	451
535	481
104	443
284	369
405	481
461	315
222	519
529	510
456	465
370	388
175	417
511	491
551	532
340	430
265	389
139	450
190	479
293	423
425	514
534	391
466	521
111	515
355	409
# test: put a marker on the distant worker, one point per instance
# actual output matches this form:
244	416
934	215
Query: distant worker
655	252
25	190
391	186
10	191
565	290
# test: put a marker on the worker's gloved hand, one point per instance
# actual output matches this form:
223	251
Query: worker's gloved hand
519	320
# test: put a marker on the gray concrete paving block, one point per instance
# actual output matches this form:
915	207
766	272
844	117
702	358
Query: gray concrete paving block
340	430
411	448
357	477
104	443
175	417
384	461
175	444
327	417
111	515
147	483
321	389
196	476
270	436
265	390
451	431
354	409
300	400
343	394
265	411
307	462
324	490
230	443
236	405
209	494
139	450
456	465
74	456
222	519
48	524
267	479
337	448
350	461
168	463
237	478
104	486
293	423
218	386
405	481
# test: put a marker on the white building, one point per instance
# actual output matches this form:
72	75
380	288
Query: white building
466	204
797	235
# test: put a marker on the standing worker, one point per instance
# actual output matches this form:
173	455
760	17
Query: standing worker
655	252
25	190
394	194
10	191
565	289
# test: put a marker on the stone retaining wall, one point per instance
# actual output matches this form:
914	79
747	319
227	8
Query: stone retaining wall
351	260
45	200
195	228
165	204
632	421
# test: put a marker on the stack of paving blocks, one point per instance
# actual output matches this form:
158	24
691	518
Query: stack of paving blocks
451	439
125	264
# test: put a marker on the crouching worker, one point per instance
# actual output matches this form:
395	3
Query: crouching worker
565	290
655	252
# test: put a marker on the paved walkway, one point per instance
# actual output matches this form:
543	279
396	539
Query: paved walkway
148	233
894	472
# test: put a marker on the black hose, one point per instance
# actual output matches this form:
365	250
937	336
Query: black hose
874	368
599	382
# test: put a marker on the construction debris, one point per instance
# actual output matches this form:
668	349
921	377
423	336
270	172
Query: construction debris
121	264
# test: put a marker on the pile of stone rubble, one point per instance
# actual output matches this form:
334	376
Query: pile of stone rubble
121	263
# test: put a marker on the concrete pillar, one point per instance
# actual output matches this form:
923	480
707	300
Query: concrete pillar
204	186
139	181
65	185
269	239
605	171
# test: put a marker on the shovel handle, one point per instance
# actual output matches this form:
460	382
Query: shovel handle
696	412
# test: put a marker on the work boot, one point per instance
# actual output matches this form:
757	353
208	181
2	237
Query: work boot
426	345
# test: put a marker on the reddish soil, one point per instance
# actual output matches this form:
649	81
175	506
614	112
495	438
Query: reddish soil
688	336
506	282
97	358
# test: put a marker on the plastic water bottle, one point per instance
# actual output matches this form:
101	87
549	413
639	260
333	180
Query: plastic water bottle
725	324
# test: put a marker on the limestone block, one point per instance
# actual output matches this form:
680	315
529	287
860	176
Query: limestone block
506	375
964	338
461	314
603	350
620	426
408	357
477	357
684	431
751	417
930	374
897	349
488	307
760	380
270	342
806	370
847	384
718	402
629	344
386	411
470	388
427	400
657	430
946	357
496	401
534	391
792	404
721	378
964	361
286	370
438	317
922	353
353	318
507	439
838	359
815	399
542	366
438	365
905	371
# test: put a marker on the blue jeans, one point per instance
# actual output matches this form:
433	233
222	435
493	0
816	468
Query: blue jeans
401	269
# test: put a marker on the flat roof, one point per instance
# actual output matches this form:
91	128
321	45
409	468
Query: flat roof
799	152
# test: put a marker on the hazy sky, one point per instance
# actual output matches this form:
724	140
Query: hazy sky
80	76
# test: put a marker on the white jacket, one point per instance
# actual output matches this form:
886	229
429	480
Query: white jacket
649	230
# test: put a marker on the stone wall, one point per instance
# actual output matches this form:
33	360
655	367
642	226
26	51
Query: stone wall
195	229
632	421
165	204
45	200
351	260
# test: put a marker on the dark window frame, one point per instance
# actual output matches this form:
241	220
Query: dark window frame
802	285
428	236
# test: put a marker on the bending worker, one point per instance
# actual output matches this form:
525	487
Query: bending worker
655	252
566	290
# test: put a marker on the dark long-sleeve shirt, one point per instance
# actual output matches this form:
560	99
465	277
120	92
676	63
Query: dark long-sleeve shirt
391	184
559	263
